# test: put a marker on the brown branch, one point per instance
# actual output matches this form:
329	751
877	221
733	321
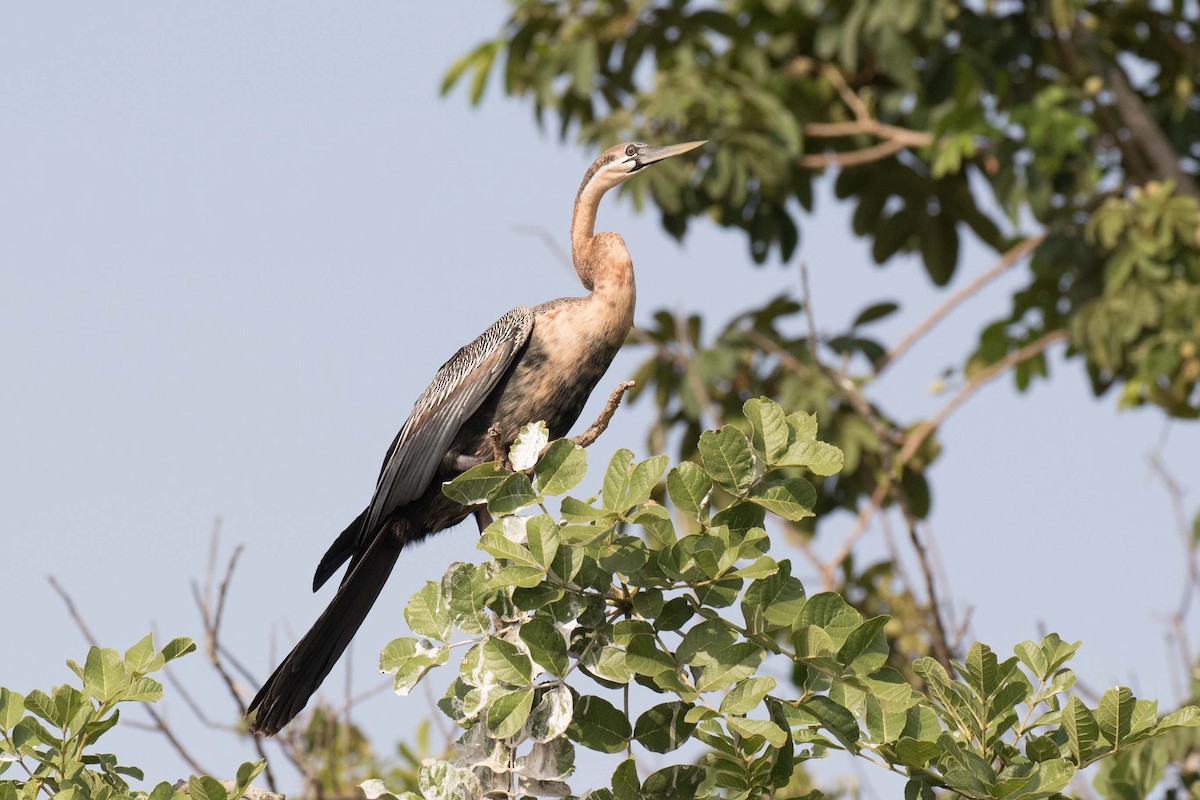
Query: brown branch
852	158
212	615
894	137
918	435
1011	257
1146	132
1178	618
601	424
160	723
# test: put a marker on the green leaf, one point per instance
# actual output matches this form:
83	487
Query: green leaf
868	635
428	614
730	665
528	446
727	458
506	716
1114	715
625	783
473	486
1081	728
104	675
546	646
616	481
176	648
498	545
834	718
598	726
562	468
874	312
746	695
12	709
459	589
791	499
514	493
768	428
818	457
644	477
664	727
774	735
206	788
506	661
542	538
1186	717
679	782
409	659
40	703
142	656
773	602
690	488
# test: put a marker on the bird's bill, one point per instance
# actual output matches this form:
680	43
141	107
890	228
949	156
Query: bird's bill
649	155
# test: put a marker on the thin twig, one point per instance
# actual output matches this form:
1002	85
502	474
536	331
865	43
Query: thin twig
160	723
601	424
212	614
1178	618
1011	257
548	239
918	435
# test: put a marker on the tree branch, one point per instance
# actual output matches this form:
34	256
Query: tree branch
601	424
894	137
1011	257
919	434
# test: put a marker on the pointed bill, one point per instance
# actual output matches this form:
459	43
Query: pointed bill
649	155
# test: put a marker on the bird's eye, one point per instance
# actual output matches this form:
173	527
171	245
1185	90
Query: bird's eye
630	150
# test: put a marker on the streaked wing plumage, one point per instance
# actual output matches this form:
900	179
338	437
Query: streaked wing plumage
457	391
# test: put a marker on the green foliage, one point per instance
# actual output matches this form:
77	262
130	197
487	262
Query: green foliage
49	739
691	608
944	119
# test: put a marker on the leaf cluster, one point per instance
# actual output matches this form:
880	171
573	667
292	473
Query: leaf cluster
684	601
51	737
946	119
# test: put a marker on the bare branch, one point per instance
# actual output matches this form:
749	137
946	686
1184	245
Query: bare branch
917	437
548	239
852	158
1011	257
601	424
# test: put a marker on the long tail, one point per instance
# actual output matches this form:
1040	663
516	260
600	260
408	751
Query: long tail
343	548
288	690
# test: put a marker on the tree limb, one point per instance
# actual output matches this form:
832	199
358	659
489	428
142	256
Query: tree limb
1011	257
601	424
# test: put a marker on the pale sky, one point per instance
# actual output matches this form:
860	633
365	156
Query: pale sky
238	239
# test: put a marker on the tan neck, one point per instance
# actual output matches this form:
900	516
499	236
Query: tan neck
583	228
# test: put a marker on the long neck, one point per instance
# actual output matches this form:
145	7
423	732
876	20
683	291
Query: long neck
601	259
583	227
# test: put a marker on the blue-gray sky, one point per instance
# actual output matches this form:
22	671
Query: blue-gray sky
237	240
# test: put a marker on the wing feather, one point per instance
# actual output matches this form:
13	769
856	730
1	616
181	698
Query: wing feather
457	391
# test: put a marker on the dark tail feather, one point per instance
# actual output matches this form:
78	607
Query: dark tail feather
341	549
296	680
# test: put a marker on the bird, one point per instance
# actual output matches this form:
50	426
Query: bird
537	363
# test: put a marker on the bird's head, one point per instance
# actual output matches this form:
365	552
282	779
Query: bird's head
618	164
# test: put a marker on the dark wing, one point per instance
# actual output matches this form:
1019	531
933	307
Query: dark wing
457	391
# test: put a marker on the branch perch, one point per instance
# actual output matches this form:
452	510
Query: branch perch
601	424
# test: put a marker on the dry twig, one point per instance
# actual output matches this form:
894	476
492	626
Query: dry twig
601	424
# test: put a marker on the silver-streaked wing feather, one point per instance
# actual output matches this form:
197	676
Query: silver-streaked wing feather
457	391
